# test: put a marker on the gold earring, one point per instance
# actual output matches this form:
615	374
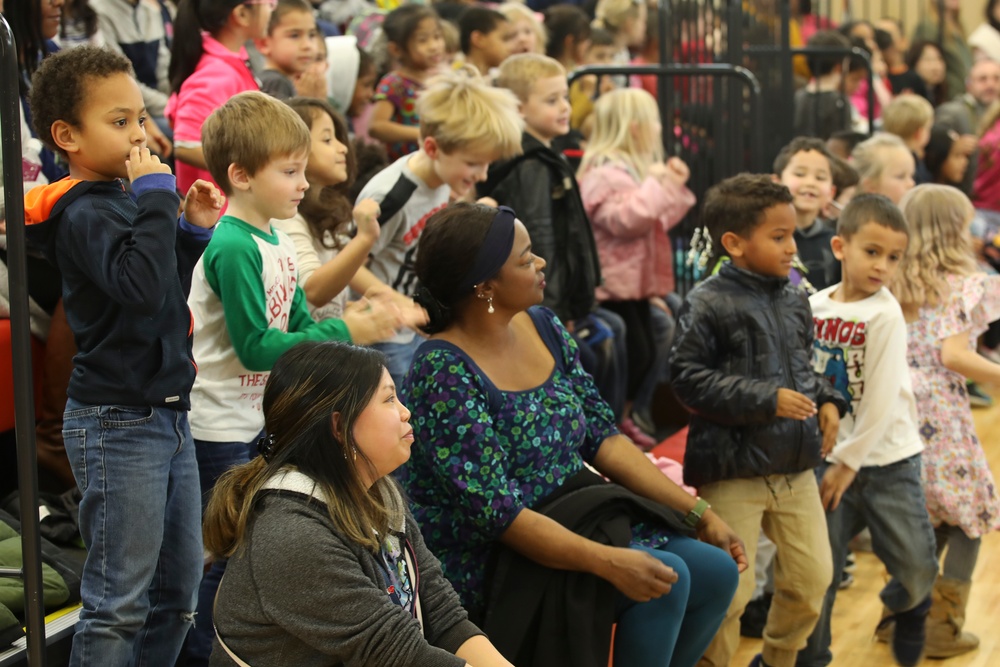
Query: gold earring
489	303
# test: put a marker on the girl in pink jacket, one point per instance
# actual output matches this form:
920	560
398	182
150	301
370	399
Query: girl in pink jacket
633	198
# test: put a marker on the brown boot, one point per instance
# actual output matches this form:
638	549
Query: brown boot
945	638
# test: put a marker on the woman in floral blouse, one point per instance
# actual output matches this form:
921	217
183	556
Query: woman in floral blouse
542	551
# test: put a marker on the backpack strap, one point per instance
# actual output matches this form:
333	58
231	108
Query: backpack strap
395	199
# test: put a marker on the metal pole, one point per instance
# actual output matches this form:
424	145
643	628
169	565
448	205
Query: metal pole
24	409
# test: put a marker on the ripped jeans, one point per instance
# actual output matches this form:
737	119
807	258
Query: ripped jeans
140	519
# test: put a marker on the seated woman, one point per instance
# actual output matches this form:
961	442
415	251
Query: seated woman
505	421
326	565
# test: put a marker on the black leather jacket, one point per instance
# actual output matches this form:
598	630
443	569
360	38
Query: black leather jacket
741	337
541	188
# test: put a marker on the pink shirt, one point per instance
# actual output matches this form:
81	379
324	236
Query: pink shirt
220	75
986	187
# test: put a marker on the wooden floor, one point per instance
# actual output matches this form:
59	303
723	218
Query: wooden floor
858	608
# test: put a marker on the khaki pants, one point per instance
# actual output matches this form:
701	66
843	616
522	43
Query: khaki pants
789	510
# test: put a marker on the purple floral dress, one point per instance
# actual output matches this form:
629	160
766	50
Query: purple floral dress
481	455
957	479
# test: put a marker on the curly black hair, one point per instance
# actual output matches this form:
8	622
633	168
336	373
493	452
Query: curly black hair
738	204
59	86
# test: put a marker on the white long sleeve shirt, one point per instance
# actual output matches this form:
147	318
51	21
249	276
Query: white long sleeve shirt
860	348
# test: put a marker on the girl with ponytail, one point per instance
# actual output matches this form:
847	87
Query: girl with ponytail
208	65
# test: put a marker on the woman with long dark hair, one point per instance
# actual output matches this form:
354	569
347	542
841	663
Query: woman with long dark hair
326	565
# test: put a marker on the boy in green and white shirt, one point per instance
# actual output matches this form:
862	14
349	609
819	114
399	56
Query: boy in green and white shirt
245	299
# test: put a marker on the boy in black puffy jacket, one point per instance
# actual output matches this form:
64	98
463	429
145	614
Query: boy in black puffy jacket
760	415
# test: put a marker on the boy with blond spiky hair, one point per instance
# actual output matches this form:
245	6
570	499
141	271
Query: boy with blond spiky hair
464	126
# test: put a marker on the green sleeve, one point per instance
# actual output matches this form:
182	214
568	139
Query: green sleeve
233	268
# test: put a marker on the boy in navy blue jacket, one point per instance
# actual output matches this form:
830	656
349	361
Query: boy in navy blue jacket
742	365
124	260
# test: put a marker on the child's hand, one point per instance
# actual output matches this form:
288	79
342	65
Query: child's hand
793	405
366	218
658	170
156	138
677	171
836	480
203	204
311	83
410	314
829	424
371	321
141	163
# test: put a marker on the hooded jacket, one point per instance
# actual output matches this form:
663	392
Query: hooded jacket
741	337
126	265
541	188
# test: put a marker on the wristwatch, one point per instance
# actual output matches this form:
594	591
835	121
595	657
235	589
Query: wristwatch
694	516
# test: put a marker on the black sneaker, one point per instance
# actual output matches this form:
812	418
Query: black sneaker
754	617
910	634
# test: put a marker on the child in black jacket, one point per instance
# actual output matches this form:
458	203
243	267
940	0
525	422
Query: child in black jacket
741	364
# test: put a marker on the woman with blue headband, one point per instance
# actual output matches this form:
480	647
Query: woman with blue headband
545	554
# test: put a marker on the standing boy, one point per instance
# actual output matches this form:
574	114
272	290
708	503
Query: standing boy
742	365
248	306
805	167
464	126
540	185
872	477
124	258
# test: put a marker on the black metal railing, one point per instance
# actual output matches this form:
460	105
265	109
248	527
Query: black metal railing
24	408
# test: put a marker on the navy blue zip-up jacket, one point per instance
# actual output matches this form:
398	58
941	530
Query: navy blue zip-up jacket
741	337
126	264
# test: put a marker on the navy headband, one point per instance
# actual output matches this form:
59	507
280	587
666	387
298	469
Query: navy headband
495	250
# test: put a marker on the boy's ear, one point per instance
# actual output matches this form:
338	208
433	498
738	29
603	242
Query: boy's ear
64	136
837	245
431	147
263	45
776	178
733	243
238	177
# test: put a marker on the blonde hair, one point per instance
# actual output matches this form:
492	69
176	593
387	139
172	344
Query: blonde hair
612	14
461	112
867	157
519	73
906	115
251	129
617	114
515	11
940	245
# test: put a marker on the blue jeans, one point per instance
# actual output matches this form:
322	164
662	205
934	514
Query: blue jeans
399	357
214	458
675	629
889	500
140	521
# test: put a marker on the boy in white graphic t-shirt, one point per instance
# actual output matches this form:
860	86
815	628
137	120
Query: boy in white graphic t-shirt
872	476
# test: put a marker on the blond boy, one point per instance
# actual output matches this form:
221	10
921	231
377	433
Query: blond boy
464	126
910	117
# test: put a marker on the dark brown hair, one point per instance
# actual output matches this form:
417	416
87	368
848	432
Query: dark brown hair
738	205
308	385
326	209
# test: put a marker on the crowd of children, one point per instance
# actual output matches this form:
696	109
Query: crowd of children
827	362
